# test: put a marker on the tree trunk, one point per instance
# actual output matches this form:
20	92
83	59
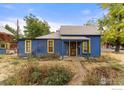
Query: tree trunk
117	47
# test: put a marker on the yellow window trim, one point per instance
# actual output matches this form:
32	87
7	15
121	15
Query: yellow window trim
89	46
48	46
83	46
30	46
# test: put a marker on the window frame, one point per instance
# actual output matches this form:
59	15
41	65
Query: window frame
2	43
30	46
48	50
88	46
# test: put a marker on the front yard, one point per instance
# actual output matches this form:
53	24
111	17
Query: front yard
108	68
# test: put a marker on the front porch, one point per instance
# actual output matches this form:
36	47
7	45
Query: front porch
75	47
72	48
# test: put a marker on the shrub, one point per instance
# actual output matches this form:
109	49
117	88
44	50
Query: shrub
99	59
30	74
57	76
34	74
14	63
50	56
95	76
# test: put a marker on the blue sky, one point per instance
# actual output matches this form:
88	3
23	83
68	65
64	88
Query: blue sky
54	14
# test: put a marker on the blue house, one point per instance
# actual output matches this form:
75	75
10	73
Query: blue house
67	41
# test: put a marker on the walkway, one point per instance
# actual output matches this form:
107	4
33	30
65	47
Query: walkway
77	79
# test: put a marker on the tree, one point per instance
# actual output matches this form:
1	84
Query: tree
13	31
113	24
91	22
34	27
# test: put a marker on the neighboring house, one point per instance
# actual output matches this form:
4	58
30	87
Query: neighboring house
6	38
67	41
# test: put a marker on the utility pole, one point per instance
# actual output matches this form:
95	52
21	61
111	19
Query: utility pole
17	29
17	36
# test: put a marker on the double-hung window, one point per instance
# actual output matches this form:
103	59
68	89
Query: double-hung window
50	46
27	46
86	46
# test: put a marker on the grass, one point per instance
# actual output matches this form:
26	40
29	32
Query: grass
103	58
105	67
95	76
105	64
14	63
121	79
34	74
117	66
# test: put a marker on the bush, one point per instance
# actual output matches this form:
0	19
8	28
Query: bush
34	74
95	76
50	56
99	59
30	74
14	63
57	76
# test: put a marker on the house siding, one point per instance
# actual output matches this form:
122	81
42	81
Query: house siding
58	47
95	46
2	51
39	47
21	48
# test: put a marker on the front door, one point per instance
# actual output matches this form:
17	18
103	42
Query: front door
72	48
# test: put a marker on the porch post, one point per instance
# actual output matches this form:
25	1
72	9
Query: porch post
69	47
62	49
76	48
81	47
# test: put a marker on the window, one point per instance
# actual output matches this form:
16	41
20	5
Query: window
27	46
50	46
2	44
86	46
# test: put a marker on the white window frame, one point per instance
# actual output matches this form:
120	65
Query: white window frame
30	46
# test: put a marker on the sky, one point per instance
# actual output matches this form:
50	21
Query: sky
55	14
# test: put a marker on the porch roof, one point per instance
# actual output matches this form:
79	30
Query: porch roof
74	38
55	35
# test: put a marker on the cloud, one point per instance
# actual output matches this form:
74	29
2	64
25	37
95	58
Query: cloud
8	6
86	11
30	10
98	13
